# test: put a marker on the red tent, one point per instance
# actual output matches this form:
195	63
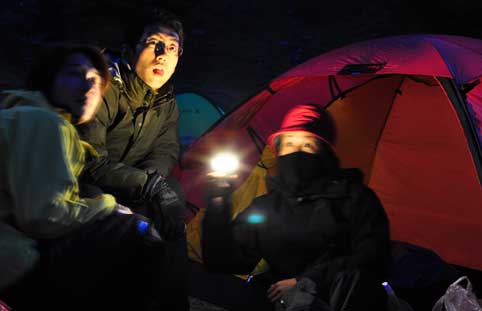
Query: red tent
409	113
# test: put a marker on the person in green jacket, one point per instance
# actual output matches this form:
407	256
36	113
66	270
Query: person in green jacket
135	130
59	250
136	134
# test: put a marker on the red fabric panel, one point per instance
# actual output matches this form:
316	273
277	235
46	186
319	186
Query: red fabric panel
426	178
360	118
437	55
462	56
313	90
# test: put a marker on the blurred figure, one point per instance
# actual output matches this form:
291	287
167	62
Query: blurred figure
58	250
323	233
136	135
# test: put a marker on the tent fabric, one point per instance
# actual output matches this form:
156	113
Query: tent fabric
432	55
197	114
400	125
421	181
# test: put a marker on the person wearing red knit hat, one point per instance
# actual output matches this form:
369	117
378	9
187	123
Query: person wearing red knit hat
323	233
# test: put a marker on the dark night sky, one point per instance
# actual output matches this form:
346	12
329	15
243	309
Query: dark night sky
233	48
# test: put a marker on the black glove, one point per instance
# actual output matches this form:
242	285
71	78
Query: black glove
219	190
166	208
123	225
153	185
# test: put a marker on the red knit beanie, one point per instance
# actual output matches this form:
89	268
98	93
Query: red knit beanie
308	118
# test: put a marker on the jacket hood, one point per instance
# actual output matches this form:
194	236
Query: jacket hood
16	98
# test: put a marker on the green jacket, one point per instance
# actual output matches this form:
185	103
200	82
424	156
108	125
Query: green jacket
135	132
41	157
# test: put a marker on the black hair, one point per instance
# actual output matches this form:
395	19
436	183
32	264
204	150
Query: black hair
52	58
152	20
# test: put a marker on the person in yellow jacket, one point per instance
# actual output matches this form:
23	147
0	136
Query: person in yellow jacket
58	250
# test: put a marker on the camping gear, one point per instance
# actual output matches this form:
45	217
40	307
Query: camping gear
458	298
408	111
197	114
419	275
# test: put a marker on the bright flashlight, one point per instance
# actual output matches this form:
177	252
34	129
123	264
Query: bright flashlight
224	163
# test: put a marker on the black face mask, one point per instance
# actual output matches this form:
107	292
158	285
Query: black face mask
298	170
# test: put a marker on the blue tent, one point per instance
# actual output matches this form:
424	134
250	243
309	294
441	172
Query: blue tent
197	114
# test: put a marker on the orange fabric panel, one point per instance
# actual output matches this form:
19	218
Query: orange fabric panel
359	118
426	178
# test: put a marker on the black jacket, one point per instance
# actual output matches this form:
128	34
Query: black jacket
135	130
337	224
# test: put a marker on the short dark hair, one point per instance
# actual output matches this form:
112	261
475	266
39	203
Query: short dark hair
50	60
152	20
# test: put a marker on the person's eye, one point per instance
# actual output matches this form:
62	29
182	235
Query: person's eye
151	42
94	81
172	48
94	78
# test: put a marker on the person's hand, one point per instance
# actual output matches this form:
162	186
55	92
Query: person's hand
169	215
121	209
167	208
127	223
145	228
219	187
278	289
154	184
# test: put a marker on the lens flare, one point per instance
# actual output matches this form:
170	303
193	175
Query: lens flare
224	163
255	219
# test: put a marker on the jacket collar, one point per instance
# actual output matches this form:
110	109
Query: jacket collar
14	98
332	187
138	92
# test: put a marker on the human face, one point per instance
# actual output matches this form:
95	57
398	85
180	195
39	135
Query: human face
156	68
77	87
298	141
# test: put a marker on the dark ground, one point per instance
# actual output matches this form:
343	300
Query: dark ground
233	48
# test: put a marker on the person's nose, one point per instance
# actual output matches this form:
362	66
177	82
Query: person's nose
160	49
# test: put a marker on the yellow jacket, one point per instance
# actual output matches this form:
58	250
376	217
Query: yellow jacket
41	158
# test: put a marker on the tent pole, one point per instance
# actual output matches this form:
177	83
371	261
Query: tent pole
466	121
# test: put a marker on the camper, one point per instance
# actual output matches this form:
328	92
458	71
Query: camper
408	112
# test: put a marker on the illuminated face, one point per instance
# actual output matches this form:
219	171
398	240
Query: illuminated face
77	87
298	141
153	64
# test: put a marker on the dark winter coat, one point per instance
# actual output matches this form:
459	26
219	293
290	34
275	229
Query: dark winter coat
337	224
135	131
